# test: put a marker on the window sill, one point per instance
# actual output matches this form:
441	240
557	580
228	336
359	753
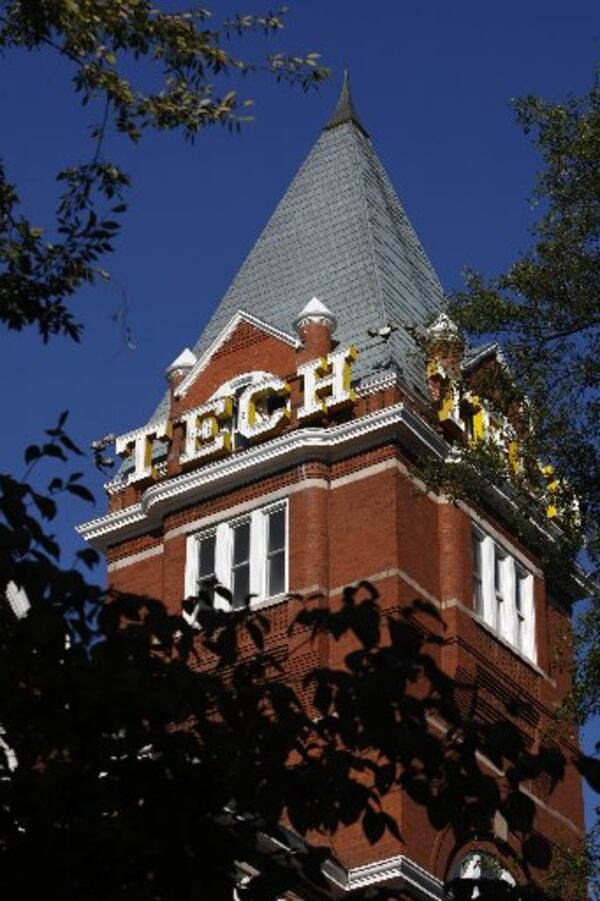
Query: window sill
261	603
255	604
511	647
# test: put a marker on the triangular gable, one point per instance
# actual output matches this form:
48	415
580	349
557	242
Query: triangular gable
240	318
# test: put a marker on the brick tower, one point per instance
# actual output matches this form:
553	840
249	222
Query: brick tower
325	374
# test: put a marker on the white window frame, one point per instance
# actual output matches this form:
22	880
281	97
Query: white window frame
501	576
223	531
499	596
477	540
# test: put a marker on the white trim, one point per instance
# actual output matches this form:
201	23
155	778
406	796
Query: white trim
371	384
291	448
423	885
223	336
392	573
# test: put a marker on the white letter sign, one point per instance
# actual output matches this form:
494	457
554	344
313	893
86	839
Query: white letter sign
204	438
327	383
263	410
256	423
139	442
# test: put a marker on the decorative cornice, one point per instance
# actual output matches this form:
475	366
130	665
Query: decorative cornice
401	869
371	384
119	482
223	336
395	422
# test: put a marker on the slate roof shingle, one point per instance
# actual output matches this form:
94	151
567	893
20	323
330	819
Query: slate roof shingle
339	233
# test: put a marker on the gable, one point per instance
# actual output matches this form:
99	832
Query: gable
245	345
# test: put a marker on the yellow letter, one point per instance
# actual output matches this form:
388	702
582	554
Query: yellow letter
139	442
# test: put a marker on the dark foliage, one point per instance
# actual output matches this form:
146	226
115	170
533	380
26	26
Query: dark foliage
145	764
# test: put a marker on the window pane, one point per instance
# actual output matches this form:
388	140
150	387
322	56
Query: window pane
519	591
276	574
241	585
498	561
276	530
207	556
477	596
477	555
477	567
241	543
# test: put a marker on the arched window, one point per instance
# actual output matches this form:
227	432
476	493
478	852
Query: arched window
479	876
237	384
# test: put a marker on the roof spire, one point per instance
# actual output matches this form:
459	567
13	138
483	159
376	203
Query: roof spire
344	110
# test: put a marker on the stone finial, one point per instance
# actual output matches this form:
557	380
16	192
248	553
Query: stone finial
181	364
315	324
444	327
315	313
445	347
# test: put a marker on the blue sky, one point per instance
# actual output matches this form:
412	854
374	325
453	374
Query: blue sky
432	81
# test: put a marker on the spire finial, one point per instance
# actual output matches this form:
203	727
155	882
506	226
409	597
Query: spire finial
344	110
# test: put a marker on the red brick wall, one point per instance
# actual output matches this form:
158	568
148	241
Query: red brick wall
366	519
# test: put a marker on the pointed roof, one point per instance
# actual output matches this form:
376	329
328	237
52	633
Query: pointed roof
340	233
344	110
185	360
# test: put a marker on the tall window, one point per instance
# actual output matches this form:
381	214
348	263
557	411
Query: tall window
499	569
206	565
479	875
276	551
503	593
246	555
521	587
240	563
